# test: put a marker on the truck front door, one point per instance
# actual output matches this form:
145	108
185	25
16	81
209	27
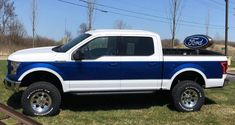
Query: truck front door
98	68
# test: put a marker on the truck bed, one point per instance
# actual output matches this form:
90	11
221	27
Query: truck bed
189	52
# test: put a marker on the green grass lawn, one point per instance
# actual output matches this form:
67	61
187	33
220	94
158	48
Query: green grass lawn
138	109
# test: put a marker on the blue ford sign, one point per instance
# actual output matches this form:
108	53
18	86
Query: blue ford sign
198	41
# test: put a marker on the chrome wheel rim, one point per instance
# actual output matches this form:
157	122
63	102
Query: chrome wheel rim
40	102
189	98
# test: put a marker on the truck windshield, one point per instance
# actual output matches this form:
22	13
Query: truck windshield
70	44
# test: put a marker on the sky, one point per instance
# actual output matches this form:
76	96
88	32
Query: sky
54	16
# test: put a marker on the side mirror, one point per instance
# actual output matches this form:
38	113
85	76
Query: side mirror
78	55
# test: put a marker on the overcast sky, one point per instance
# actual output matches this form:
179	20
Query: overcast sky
149	15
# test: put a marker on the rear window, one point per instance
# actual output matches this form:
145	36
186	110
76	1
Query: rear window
136	46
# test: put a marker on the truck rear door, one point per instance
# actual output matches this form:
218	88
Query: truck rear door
141	66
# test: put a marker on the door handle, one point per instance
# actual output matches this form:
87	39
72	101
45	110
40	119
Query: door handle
113	64
152	63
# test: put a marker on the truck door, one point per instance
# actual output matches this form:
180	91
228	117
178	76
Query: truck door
141	67
99	66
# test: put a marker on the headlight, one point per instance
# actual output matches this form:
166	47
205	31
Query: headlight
14	66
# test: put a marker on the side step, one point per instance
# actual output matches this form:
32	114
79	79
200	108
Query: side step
112	92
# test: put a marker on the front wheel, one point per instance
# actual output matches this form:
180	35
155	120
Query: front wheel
188	96
40	99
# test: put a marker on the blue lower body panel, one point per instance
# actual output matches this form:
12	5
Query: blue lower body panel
121	70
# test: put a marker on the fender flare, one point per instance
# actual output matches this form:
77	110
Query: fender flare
187	70
45	70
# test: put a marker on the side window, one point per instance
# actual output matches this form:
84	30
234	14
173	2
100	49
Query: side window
137	46
101	46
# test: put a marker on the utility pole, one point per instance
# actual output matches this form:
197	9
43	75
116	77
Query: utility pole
234	13
65	40
207	22
90	4
33	20
174	11
174	22
226	28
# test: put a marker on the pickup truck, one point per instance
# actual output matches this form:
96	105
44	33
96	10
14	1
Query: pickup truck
113	62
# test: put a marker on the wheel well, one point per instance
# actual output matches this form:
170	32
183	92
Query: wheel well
189	75
41	76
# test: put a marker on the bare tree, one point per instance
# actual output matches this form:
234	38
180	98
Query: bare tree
83	28
207	22
7	13
16	29
175	12
90	12
16	33
34	11
7	16
120	24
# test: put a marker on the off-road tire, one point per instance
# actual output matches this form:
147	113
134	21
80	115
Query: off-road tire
44	87
178	95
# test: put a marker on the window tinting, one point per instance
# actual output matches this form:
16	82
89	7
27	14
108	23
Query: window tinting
137	46
102	46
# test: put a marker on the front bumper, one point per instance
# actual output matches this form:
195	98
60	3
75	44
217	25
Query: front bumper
12	85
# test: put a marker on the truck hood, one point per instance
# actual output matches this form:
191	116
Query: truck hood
34	54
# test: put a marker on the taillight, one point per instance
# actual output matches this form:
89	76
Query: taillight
224	66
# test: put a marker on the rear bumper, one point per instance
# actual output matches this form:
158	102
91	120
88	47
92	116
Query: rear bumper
11	85
226	82
216	83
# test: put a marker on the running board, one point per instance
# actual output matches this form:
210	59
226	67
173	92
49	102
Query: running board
112	93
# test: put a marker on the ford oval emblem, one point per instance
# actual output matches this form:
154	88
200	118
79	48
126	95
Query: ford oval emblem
198	42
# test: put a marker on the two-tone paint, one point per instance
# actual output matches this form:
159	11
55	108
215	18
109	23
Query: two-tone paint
109	73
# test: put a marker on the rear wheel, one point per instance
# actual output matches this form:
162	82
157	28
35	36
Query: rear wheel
40	99
188	96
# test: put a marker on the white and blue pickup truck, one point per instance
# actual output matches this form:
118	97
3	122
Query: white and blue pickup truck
114	62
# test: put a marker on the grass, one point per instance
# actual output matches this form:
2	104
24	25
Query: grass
233	64
219	108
